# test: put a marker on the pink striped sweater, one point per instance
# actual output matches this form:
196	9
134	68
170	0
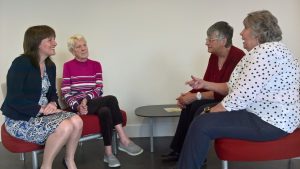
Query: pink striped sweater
81	80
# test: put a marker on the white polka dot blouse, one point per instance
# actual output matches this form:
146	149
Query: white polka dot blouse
266	82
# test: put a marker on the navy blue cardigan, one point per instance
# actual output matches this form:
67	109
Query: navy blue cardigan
24	86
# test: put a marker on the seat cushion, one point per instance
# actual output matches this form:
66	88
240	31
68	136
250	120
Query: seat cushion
242	150
16	145
91	123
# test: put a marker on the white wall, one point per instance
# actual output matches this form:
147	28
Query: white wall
148	48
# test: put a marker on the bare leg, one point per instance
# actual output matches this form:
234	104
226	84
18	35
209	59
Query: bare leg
108	150
123	137
55	142
72	142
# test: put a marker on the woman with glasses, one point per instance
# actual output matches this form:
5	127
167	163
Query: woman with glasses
223	59
262	102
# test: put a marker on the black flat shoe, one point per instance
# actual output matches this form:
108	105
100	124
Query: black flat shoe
64	163
172	156
172	153
204	165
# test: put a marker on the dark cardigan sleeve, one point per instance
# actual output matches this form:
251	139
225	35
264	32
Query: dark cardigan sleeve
22	98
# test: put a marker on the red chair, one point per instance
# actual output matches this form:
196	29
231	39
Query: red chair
15	145
91	127
287	147
91	130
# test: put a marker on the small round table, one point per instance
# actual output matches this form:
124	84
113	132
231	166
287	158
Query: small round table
155	111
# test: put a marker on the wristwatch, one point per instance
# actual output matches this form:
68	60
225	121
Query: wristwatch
198	96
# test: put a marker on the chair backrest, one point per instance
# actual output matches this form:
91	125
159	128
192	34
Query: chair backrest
3	89
61	102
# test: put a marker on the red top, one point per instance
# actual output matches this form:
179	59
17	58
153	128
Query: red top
213	74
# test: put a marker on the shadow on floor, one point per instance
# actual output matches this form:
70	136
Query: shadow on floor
90	156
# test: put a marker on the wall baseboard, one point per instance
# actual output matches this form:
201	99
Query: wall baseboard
143	130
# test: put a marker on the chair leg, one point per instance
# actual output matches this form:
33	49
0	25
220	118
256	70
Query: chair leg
34	160
22	156
114	142
80	144
224	164
289	163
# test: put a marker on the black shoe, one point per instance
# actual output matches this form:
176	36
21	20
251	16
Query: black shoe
172	153
205	162
172	156
204	165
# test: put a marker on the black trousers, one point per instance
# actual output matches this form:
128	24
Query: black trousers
108	111
185	119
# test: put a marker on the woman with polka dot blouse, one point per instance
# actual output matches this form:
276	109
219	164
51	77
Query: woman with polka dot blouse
262	101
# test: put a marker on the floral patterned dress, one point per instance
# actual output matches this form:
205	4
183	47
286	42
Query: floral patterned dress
37	129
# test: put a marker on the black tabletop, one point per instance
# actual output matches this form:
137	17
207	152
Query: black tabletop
167	110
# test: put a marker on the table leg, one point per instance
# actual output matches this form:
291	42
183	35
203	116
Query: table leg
151	135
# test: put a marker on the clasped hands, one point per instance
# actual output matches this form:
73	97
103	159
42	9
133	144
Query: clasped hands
82	108
50	108
185	99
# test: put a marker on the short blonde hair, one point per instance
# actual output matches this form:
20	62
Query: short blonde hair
72	39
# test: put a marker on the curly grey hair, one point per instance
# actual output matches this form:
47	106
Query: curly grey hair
264	25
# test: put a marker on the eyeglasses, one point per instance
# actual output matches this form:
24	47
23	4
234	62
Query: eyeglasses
210	40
